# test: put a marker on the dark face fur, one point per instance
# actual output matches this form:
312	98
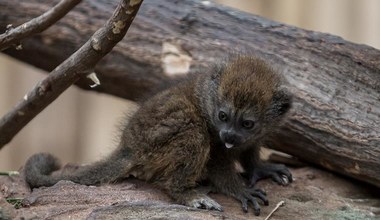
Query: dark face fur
235	126
249	102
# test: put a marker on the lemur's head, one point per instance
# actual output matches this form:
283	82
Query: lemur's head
249	101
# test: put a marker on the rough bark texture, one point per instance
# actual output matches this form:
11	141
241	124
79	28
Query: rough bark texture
314	195
335	122
78	65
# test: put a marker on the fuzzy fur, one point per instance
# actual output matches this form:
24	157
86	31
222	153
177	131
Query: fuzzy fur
173	139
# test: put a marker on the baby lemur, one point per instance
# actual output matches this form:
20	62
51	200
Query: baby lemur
194	131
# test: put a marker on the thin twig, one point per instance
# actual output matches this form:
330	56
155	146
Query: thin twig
9	173
281	203
76	66
15	35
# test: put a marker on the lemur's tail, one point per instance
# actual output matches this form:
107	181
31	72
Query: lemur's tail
39	167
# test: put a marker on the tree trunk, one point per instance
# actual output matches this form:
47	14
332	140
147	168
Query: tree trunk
335	121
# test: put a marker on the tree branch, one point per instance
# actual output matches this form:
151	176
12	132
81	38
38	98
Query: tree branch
77	65
14	35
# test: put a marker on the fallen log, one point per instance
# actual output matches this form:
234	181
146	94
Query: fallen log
335	122
134	199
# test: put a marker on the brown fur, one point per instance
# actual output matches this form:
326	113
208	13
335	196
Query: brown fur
255	83
172	141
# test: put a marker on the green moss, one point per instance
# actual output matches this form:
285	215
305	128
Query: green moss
3	214
347	213
16	202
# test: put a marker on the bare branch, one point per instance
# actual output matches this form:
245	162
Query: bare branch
14	35
77	65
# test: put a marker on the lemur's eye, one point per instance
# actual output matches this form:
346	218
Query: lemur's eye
222	116
248	124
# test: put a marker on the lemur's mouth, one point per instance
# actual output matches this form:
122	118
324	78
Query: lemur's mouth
228	145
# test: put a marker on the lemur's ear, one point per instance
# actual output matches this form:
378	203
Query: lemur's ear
281	103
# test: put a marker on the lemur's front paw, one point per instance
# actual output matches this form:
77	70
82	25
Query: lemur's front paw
278	172
250	195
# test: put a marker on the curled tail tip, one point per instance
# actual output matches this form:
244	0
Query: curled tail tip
38	167
44	162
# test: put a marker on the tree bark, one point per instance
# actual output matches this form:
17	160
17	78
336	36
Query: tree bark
335	121
79	64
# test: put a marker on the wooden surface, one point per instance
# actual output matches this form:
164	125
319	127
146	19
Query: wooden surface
335	121
134	199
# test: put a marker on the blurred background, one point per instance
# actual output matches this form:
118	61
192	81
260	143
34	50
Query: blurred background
81	126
